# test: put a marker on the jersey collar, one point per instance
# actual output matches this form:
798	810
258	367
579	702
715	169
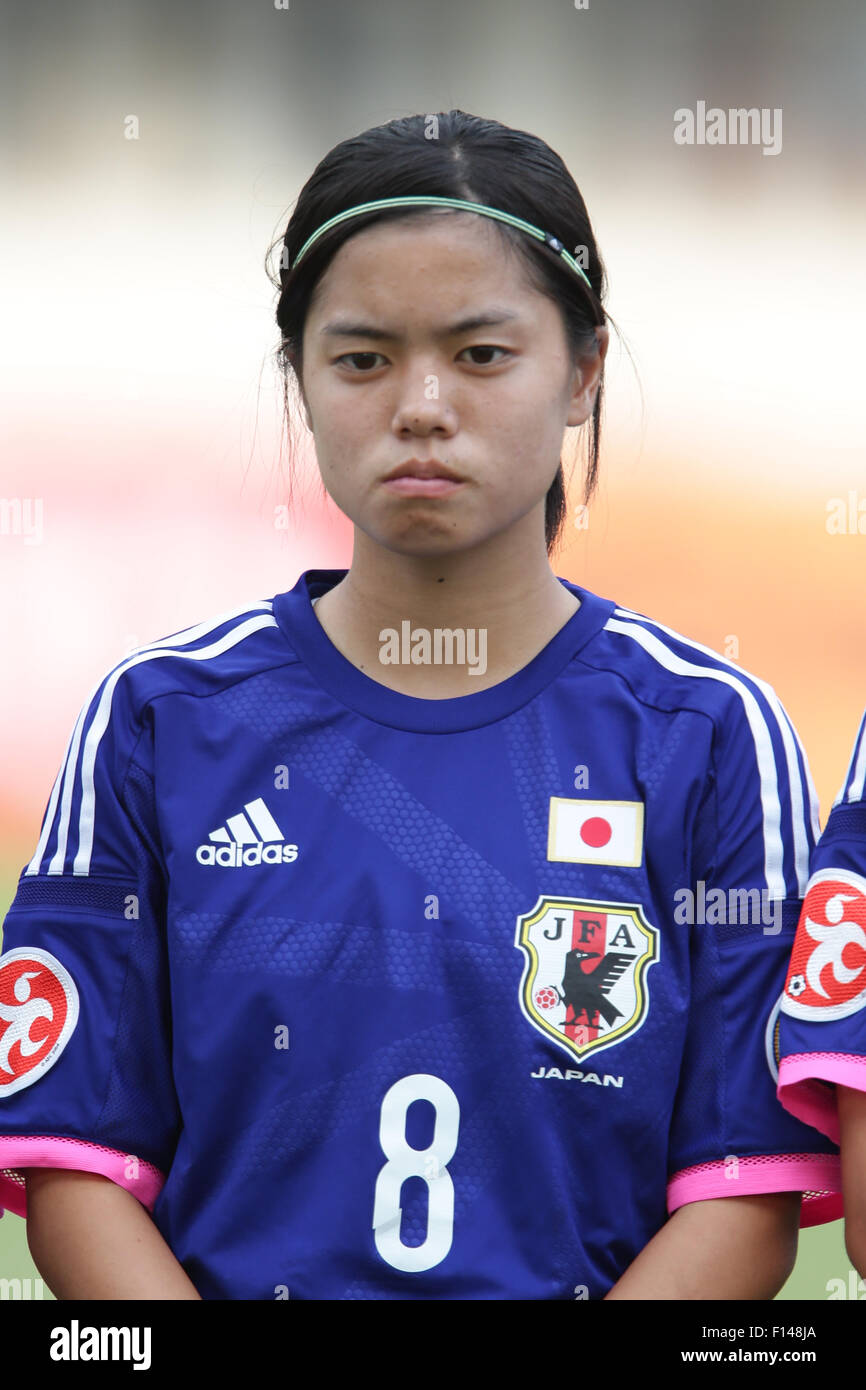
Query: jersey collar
294	612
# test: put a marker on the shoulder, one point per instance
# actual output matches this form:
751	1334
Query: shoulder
112	734
757	759
199	660
853	789
671	671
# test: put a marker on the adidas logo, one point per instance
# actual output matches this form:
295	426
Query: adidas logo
253	837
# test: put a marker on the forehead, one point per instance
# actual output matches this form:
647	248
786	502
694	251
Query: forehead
440	257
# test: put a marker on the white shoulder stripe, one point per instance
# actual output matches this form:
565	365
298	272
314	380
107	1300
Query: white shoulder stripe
855	779
33	866
192	634
772	812
87	815
66	776
791	744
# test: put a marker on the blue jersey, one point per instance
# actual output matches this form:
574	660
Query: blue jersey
822	1033
366	996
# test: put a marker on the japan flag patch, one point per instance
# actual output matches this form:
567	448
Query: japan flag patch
827	972
38	1012
595	832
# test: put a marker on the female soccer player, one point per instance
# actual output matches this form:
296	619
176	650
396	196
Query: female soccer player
822	1027
416	933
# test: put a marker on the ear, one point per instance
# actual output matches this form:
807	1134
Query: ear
586	380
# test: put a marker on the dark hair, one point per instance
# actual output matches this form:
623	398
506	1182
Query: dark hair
452	155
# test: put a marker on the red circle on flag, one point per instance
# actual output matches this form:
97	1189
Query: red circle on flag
595	831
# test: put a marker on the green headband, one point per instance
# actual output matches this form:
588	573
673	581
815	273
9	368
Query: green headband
553	242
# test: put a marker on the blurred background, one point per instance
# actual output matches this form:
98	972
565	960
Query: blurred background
142	484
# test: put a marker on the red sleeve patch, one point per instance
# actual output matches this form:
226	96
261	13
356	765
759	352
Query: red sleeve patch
38	1013
827	972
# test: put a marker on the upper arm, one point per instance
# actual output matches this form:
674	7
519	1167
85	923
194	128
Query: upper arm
38	1179
732	1248
48	1187
730	1136
851	1107
91	1239
85	1041
822	1027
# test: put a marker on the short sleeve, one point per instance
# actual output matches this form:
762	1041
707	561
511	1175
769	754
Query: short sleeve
85	1024
753	833
822	1032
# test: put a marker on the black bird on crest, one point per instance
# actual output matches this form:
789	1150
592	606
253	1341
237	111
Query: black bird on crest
584	991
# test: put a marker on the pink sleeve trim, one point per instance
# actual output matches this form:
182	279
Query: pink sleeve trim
802	1090
817	1176
21	1151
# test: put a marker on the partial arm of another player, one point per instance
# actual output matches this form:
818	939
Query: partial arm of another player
851	1105
91	1239
724	1248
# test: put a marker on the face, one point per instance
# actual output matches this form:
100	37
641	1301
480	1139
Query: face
397	366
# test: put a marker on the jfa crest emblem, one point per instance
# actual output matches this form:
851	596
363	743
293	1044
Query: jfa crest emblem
584	983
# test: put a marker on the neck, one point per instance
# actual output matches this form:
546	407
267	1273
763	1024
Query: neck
504	603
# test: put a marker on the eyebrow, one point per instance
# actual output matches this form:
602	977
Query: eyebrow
343	328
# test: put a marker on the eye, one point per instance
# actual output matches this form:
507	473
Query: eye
485	347
362	363
364	356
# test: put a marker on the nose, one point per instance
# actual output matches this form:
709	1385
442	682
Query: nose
422	408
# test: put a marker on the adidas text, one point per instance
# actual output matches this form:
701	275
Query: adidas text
243	856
